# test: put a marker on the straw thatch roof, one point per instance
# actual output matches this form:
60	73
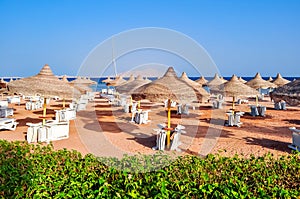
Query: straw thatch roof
131	78
270	79
167	87
129	87
65	79
289	92
223	80
83	88
202	94
242	80
201	81
280	81
83	80
216	81
3	83
116	82
258	82
44	83
107	80
234	87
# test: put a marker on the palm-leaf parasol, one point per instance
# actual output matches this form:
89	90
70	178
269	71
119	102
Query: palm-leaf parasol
280	81
289	92
258	82
44	84
202	94
129	87
167	87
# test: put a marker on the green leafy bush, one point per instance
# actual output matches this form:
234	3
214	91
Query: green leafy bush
35	171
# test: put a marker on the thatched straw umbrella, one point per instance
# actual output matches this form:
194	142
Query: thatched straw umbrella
107	80
223	80
131	78
45	84
82	80
167	87
242	80
258	82
234	88
280	81
216	81
3	83
83	88
289	92
129	87
202	94
201	81
270	79
116	82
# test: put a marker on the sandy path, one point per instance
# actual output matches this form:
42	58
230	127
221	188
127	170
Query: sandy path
107	131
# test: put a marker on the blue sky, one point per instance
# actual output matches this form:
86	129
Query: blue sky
242	37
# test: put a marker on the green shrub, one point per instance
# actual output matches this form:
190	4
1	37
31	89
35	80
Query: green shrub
35	171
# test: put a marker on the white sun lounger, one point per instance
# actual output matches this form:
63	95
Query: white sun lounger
4	104
32	132
4	111
14	100
65	115
8	124
295	139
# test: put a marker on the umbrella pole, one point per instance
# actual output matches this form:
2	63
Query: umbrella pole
139	104
44	111
256	100
233	99
64	103
169	123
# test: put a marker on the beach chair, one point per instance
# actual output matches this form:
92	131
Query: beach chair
126	108
217	104
110	91
254	110
14	100
32	132
3	104
175	143
91	96
160	140
237	119
262	110
73	106
277	106
283	105
5	112
141	117
185	109
81	106
295	139
42	134
173	103
230	121
104	91
57	130
134	107
8	124
65	115
179	109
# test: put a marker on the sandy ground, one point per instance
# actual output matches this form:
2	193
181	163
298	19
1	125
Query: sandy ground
105	130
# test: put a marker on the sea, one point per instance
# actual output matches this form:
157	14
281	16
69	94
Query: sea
101	85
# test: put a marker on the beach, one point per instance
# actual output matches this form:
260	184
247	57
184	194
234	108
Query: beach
106	130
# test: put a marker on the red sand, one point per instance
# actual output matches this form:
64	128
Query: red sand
106	130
